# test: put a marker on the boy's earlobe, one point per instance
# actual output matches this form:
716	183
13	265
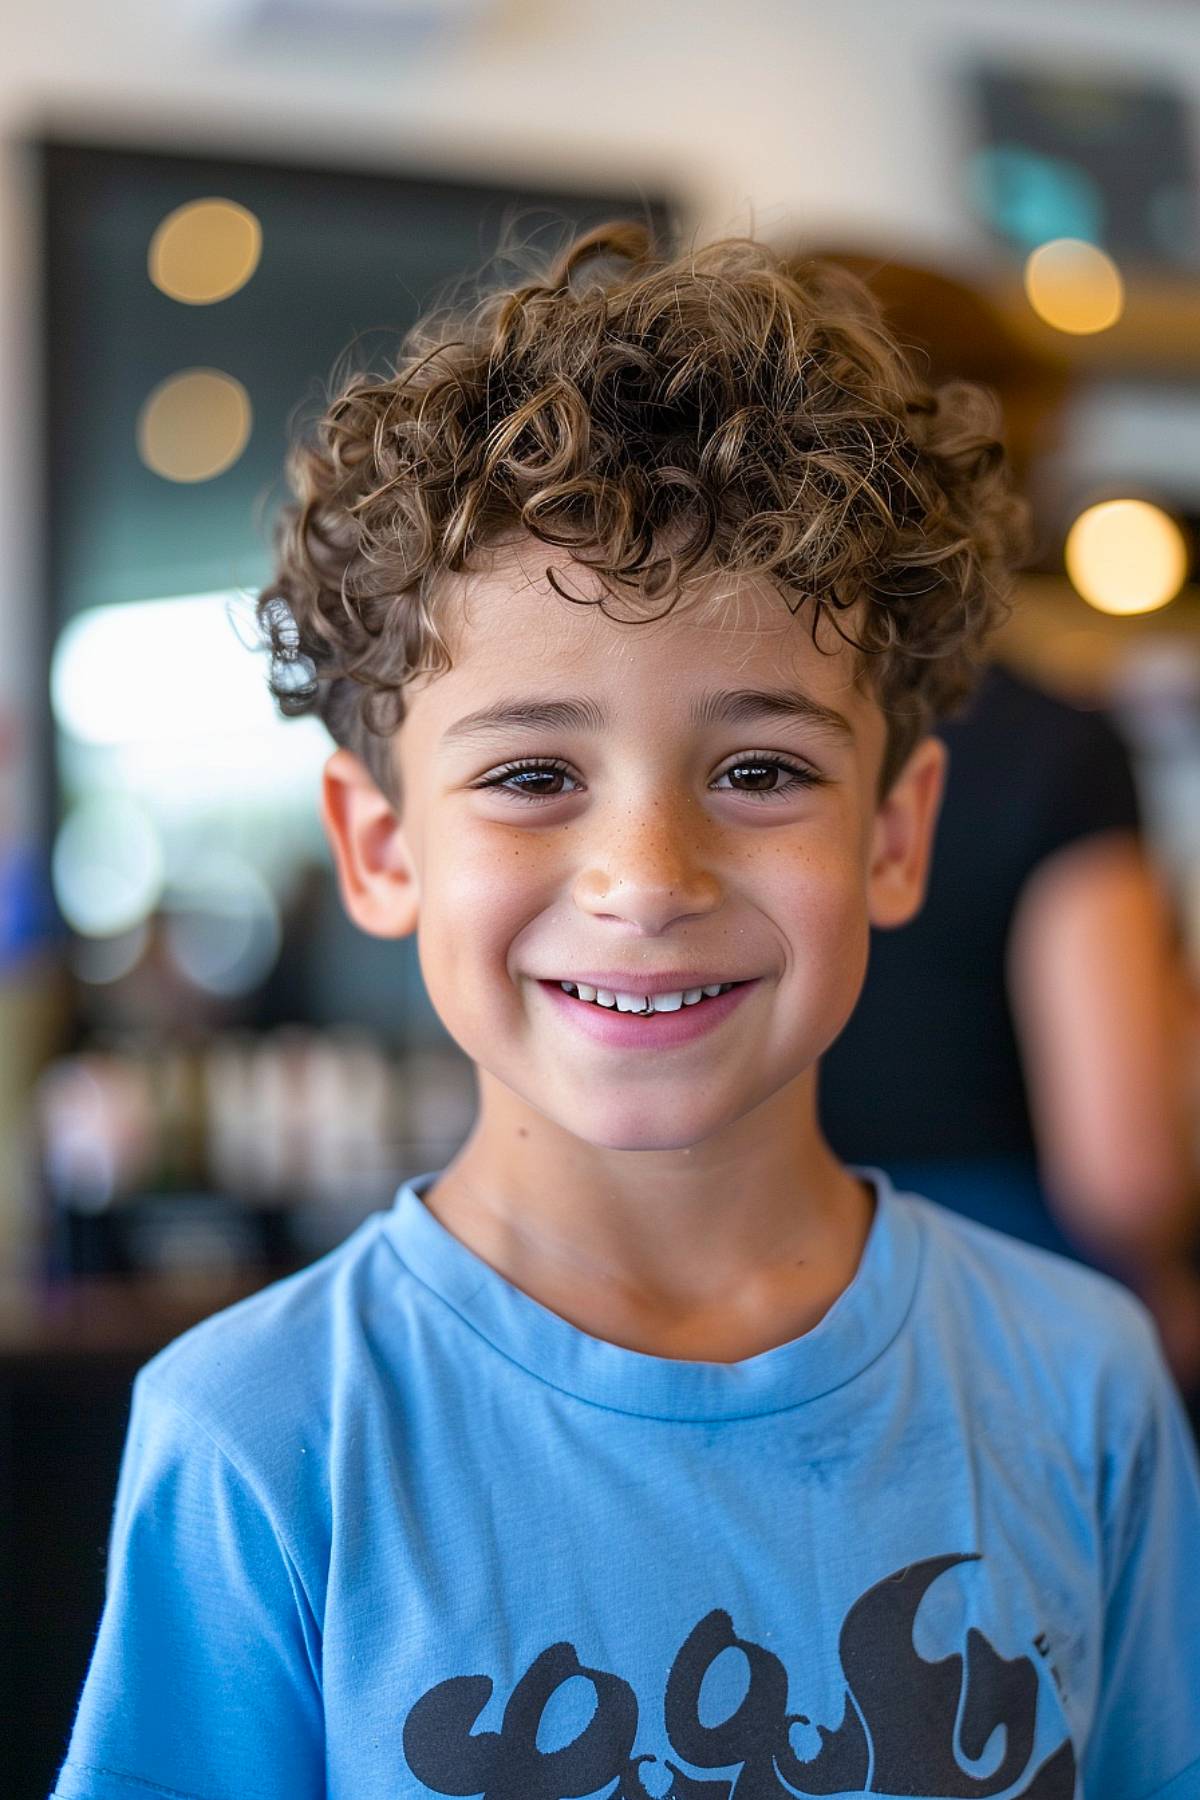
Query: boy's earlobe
903	836
374	871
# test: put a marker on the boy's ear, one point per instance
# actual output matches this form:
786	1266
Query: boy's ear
903	836
374	870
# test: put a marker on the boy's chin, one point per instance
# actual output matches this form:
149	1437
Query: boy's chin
648	1142
626	1130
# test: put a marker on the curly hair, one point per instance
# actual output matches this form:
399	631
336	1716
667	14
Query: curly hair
659	418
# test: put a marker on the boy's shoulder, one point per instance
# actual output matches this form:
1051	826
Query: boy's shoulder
266	1367
1004	1265
1031	1319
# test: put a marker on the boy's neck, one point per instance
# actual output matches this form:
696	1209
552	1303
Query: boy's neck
711	1254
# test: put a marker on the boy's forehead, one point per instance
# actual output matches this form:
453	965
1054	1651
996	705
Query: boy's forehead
506	625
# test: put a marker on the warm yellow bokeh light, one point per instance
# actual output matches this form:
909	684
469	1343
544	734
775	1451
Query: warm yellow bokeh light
1074	286
194	425
205	251
1126	556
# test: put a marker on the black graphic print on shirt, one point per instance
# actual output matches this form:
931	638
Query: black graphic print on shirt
903	1724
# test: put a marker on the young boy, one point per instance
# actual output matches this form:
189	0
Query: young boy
646	1450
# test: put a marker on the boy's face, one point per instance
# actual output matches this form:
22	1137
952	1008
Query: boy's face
651	853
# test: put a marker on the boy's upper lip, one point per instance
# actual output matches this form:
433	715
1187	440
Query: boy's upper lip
643	982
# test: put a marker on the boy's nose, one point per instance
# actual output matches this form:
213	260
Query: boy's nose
654	872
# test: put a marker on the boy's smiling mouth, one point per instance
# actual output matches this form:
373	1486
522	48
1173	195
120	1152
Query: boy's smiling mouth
632	1000
623	1027
645	981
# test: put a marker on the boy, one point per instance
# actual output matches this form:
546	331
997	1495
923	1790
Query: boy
645	1450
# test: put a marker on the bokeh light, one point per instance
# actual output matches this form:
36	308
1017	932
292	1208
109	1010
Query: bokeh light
1074	286
1126	556
106	866
205	251
166	700
99	961
222	925
194	425
156	671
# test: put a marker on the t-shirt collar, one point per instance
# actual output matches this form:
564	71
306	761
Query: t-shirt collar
856	1330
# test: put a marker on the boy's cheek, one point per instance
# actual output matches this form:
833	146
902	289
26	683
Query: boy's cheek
478	896
472	857
831	957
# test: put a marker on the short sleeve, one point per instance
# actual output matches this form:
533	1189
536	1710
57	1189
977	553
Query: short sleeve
1146	1740
204	1681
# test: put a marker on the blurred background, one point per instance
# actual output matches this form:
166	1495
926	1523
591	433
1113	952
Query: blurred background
207	1076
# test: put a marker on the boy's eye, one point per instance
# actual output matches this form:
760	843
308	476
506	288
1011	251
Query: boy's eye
754	764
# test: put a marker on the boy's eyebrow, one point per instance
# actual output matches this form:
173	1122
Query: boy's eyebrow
736	706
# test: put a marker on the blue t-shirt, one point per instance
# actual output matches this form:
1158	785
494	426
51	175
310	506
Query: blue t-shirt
391	1529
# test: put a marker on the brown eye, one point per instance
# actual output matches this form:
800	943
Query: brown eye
543	771
799	777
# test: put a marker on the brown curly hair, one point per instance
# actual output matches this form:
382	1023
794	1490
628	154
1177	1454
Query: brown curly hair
659	418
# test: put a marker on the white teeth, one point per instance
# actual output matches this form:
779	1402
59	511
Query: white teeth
637	1003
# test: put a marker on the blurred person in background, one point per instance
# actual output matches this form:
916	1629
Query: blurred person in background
1047	966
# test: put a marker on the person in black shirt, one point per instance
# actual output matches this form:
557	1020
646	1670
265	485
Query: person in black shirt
1018	1051
1045	775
